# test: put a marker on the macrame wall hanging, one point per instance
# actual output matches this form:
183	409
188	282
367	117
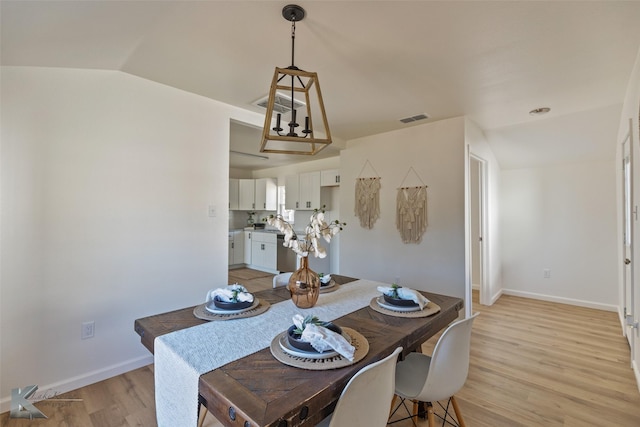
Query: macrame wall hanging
367	203
411	210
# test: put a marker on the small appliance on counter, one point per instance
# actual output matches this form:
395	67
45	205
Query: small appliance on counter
256	226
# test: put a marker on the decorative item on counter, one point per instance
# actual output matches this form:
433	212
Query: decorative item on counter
304	283
312	334
397	295
250	220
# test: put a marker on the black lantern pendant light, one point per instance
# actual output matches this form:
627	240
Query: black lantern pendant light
293	89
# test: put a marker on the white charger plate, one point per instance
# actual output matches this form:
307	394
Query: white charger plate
382	303
289	349
210	307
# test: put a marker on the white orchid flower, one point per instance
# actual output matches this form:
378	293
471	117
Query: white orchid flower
320	252
317	229
298	320
288	234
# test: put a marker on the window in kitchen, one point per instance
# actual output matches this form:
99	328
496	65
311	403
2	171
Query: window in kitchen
287	214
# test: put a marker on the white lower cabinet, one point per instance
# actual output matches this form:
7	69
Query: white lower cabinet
247	246
264	251
236	247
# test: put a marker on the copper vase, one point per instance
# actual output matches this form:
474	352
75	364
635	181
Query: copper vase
304	285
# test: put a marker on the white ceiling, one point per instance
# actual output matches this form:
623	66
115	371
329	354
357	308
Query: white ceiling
377	61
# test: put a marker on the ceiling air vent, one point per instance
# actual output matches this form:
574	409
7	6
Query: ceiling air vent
414	118
281	105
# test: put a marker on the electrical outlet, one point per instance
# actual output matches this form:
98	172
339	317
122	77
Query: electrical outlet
88	330
212	211
547	273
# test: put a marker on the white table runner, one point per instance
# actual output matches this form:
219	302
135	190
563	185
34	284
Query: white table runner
182	356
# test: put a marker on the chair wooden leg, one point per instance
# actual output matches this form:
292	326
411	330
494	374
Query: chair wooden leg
203	414
393	403
415	408
430	416
456	409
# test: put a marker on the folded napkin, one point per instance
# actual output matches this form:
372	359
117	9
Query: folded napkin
406	293
323	339
227	293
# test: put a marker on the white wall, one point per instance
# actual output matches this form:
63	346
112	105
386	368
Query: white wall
561	218
478	146
436	152
106	181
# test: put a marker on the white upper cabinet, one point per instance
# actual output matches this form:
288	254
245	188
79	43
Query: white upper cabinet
253	194
234	194
302	191
292	192
247	194
309	190
330	178
266	194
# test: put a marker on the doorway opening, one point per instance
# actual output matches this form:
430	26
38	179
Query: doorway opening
478	228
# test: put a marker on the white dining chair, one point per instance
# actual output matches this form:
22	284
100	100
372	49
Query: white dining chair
366	398
281	279
429	379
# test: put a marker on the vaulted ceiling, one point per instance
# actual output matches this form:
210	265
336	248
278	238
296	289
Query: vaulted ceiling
378	61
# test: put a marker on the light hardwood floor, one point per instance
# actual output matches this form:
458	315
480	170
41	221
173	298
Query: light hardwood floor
533	363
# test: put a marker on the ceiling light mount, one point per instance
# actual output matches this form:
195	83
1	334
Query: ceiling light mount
302	88
293	12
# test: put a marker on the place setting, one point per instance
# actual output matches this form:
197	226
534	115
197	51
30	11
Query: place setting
399	301
313	344
230	302
327	284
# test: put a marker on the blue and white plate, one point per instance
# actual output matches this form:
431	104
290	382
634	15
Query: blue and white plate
289	349
211	307
382	303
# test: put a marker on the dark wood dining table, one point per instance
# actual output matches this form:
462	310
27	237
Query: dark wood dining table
260	391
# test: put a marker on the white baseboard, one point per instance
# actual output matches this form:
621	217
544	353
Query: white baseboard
561	300
623	322
496	297
475	287
260	268
84	379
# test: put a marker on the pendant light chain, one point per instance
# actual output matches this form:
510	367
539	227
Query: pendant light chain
293	41
293	124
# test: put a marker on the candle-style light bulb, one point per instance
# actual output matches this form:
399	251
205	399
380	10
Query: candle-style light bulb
277	128
306	130
292	124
